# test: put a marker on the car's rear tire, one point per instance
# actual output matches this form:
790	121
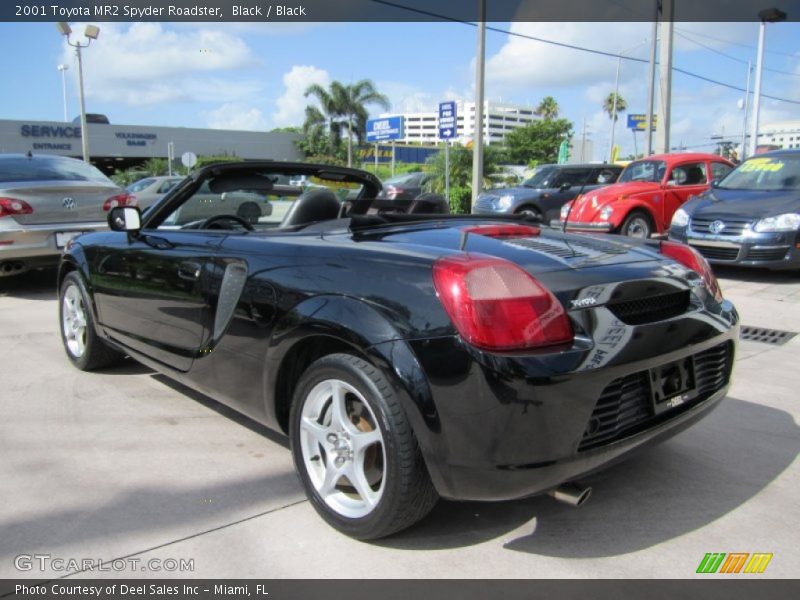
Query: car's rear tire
346	422
83	346
637	224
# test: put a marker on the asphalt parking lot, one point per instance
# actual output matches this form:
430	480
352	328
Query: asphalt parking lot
125	464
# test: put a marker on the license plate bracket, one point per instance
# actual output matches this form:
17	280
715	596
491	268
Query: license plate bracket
672	384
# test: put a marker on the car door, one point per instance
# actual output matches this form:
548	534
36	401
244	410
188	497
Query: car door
150	291
683	180
554	198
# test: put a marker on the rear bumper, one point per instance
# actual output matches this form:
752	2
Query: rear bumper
516	426
767	250
23	247
583	226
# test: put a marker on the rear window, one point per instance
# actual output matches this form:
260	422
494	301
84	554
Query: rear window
140	185
48	168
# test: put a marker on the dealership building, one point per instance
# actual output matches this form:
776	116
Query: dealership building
119	147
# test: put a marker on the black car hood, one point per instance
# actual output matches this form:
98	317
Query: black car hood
743	203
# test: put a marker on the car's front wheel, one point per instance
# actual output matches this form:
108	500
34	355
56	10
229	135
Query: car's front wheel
637	225
83	346
355	451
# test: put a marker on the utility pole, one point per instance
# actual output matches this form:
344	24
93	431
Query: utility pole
477	143
583	141
769	15
651	80
665	82
746	108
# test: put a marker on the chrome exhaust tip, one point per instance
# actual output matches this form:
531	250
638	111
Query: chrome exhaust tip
573	493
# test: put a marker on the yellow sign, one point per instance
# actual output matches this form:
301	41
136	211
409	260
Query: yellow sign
761	165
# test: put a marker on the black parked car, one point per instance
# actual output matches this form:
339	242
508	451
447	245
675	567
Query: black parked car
543	194
405	187
406	356
750	218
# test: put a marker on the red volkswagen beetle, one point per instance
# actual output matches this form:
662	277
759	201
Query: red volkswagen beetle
646	194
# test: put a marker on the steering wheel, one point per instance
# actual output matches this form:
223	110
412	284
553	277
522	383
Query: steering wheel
211	221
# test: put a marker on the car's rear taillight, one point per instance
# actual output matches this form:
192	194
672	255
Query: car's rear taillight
496	305
11	206
691	258
119	200
510	230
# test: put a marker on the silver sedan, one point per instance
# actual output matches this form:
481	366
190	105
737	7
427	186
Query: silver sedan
45	201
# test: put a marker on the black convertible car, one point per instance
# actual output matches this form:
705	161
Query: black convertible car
408	356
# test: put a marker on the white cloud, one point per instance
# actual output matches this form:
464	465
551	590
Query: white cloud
292	103
523	63
147	64
233	115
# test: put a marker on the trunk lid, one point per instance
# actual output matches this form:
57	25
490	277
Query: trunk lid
61	201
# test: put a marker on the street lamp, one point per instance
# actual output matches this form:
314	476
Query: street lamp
769	15
91	32
614	101
63	68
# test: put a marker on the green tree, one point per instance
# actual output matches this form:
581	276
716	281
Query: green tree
352	101
461	174
548	109
608	105
323	121
538	141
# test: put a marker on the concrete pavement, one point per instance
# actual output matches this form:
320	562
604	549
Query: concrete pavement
125	463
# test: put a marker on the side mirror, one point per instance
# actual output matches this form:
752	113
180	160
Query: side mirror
125	218
715	183
564	186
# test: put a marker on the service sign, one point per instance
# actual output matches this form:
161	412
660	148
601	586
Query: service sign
388	128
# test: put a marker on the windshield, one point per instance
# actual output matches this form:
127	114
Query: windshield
541	178
49	168
765	174
140	185
643	170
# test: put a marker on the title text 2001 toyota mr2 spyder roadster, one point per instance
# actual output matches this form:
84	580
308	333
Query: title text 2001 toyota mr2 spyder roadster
408	356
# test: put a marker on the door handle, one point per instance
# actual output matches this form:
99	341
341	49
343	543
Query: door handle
189	271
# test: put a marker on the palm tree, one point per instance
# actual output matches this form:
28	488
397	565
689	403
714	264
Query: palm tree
608	105
548	109
351	101
327	114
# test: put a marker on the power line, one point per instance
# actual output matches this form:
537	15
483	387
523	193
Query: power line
575	47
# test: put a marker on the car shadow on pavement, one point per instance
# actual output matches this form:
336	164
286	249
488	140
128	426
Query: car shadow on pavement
226	412
33	285
690	481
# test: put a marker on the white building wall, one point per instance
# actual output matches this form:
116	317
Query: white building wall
785	134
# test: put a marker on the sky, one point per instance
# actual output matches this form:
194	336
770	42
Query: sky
252	76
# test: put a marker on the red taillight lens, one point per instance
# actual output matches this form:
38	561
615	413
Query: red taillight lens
503	231
496	305
11	206
393	192
691	258
119	200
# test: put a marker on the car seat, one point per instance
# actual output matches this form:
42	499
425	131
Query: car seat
313	206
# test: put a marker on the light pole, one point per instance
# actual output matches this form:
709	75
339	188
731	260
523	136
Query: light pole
746	106
91	33
477	145
63	68
614	101
769	15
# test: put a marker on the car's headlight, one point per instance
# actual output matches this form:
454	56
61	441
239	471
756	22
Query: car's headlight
565	210
785	222
605	212
680	218
504	201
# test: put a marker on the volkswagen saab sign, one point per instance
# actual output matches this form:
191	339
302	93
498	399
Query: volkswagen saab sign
716	227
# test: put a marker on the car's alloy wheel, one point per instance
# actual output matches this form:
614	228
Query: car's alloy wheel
84	348
637	225
342	448
355	451
73	320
